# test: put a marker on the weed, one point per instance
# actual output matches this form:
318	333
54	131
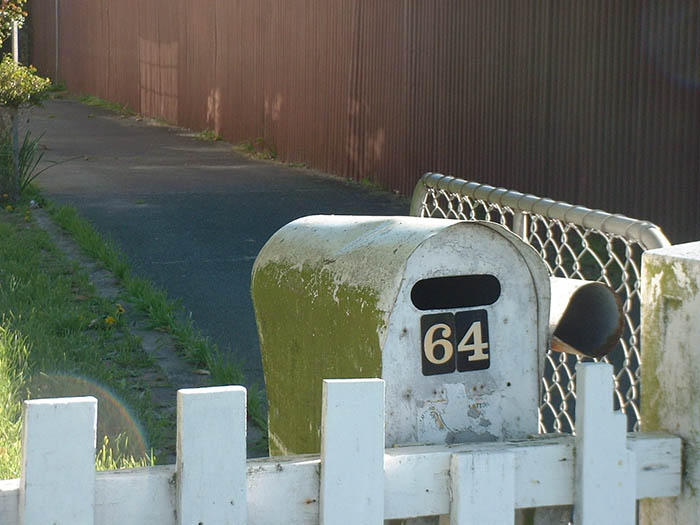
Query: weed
122	109
29	157
258	148
207	135
369	184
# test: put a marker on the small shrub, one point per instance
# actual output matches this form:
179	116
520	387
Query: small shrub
20	85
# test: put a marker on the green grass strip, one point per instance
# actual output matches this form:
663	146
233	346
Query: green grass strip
58	338
164	314
122	109
13	370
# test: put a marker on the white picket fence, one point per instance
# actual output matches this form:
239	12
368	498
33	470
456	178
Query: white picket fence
602	471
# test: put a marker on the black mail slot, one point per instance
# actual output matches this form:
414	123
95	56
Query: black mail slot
459	291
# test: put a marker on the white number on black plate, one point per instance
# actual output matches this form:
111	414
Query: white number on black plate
455	342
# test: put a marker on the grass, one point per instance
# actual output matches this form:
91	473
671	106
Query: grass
122	109
113	455
370	185
13	370
58	338
164	314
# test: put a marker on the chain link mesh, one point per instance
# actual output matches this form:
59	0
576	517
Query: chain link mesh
575	252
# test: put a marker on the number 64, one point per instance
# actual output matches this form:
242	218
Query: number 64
471	342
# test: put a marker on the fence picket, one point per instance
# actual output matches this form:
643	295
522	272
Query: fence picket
606	474
211	456
352	452
483	488
58	461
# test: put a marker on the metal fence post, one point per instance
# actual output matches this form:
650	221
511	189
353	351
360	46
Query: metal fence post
520	224
419	194
15	41
57	40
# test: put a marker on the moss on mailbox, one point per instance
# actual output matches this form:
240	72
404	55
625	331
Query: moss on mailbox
312	327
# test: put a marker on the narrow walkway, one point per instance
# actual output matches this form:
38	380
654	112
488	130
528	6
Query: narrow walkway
190	215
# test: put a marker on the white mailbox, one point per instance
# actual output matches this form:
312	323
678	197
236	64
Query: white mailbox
453	315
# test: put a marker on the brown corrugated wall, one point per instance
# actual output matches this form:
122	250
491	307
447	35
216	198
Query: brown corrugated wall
595	102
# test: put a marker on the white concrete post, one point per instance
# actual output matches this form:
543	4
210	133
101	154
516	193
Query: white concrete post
58	461
606	474
211	456
671	371
352	452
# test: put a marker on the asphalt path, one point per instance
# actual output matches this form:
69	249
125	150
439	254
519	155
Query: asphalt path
190	215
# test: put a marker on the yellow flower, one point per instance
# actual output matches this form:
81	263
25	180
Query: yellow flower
120	309
110	320
9	207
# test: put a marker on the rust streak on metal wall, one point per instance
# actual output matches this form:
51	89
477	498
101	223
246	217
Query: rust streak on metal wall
594	102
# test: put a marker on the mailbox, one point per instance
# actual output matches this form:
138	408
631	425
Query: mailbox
453	315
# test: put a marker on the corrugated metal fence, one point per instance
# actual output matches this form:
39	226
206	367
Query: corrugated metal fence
594	101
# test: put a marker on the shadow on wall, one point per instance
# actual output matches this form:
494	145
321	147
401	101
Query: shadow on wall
158	63
214	110
366	148
273	108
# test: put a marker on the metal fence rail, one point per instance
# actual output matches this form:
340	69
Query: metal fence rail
574	242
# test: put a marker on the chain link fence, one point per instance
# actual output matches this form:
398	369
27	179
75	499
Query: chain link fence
574	242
